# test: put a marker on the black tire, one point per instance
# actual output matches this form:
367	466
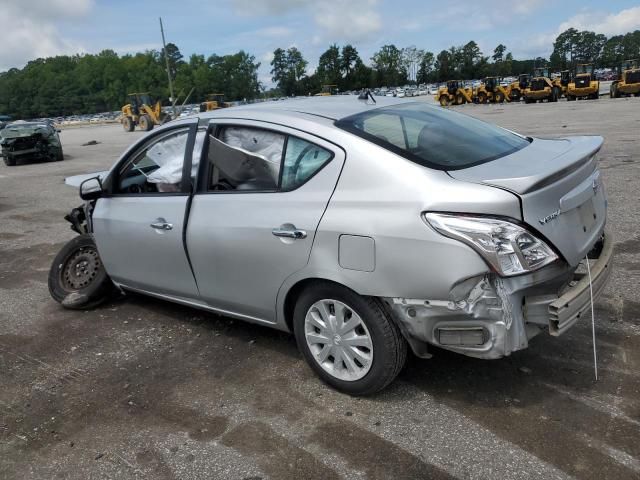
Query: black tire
515	95
570	98
613	91
389	346
92	286
444	101
460	100
555	94
482	98
145	123
128	124
59	155
498	97
9	162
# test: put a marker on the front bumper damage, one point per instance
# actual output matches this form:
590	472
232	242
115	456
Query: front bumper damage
491	317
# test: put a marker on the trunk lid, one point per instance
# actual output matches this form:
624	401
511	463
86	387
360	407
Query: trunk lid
560	190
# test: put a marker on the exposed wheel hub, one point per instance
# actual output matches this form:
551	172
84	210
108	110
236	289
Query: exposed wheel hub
80	268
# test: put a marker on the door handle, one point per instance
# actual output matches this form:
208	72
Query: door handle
291	232
162	226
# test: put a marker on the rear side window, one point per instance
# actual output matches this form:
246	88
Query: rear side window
301	162
432	136
254	159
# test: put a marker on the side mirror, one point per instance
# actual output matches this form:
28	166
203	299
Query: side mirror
91	188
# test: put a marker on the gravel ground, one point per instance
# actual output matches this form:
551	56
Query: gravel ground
140	388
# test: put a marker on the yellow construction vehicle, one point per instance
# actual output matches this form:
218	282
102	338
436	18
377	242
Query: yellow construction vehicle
541	88
214	102
142	111
454	92
561	80
327	91
516	89
490	90
584	83
628	82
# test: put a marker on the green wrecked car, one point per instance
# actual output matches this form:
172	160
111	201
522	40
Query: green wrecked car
38	140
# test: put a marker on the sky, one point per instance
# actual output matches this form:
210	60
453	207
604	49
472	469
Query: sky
40	28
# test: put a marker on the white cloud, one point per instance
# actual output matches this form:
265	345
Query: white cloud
338	20
609	24
348	20
29	31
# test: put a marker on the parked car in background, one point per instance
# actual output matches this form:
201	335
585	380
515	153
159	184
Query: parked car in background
21	140
358	226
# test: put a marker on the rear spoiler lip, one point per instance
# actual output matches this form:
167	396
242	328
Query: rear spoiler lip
586	155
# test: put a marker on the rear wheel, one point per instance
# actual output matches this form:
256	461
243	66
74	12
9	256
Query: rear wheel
570	98
498	97
77	278
460	99
128	124
444	101
482	97
348	340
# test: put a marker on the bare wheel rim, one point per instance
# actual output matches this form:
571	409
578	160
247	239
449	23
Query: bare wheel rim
80	269
338	339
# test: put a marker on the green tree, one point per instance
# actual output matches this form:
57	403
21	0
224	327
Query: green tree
329	69
387	62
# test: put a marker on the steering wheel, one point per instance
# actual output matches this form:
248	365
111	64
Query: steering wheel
222	185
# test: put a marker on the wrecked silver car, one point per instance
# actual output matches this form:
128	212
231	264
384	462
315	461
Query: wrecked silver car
363	228
34	140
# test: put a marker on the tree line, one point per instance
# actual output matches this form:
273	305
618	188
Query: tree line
91	83
393	66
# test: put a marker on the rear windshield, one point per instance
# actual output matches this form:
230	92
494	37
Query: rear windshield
432	136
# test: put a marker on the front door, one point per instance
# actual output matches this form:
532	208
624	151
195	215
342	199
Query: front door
139	224
262	192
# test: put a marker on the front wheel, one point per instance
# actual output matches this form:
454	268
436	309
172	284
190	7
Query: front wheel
77	278
349	341
9	161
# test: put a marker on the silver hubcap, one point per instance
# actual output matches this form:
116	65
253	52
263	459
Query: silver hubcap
338	339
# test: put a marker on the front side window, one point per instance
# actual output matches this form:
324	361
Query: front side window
157	168
254	159
433	137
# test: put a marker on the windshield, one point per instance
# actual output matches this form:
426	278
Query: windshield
432	136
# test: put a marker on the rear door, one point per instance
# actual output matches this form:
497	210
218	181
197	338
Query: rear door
139	225
262	192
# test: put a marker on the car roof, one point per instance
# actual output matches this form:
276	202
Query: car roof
329	107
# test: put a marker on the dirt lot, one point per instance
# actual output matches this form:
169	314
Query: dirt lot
144	389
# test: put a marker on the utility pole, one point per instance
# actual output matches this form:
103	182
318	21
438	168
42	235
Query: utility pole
166	61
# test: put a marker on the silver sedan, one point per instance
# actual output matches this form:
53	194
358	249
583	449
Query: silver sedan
364	228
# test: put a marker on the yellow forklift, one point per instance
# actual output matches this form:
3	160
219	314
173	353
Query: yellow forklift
490	90
214	101
454	93
628	82
584	83
327	91
143	112
516	89
541	88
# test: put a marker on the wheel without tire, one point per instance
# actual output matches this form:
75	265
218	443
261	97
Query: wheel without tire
349	341
127	124
77	278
